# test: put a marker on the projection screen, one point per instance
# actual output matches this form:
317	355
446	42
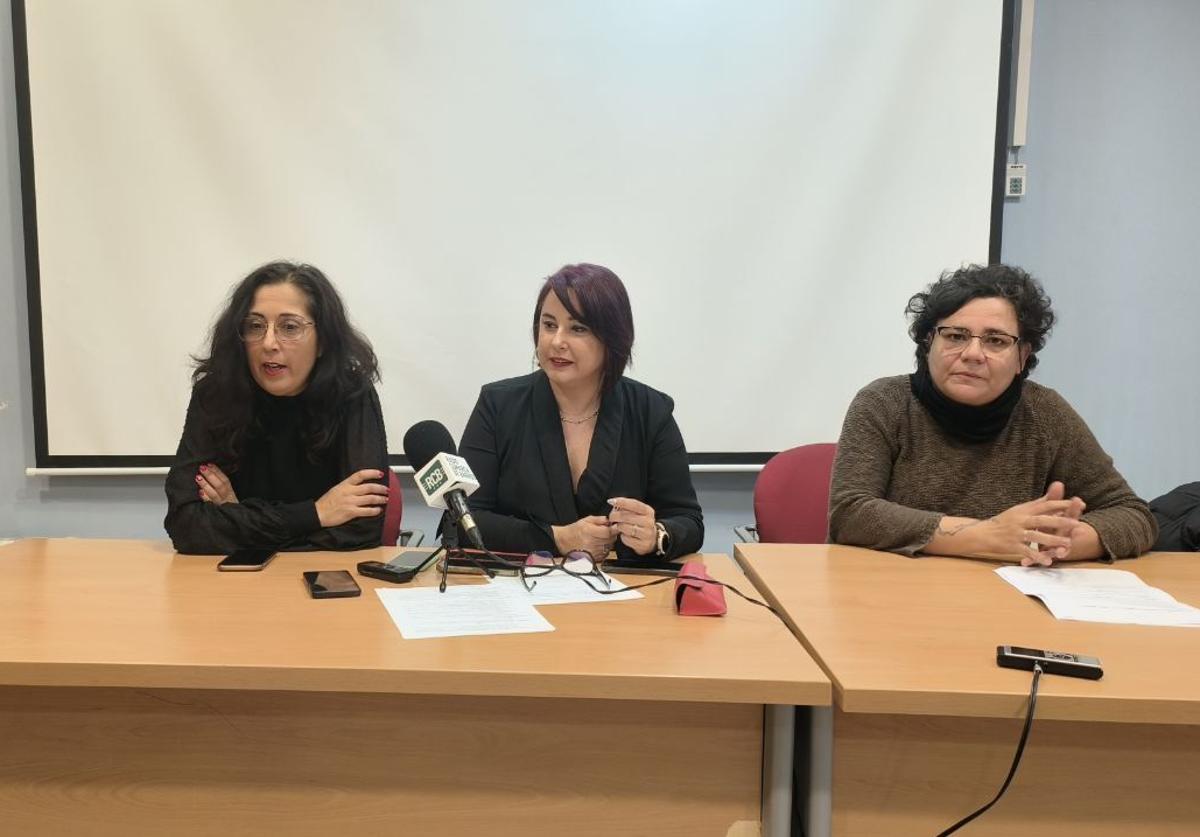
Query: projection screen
772	180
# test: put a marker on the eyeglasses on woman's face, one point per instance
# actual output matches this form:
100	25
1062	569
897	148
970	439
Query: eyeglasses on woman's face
955	339
288	328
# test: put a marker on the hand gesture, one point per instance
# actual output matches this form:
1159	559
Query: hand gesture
1085	542
633	521
588	534
214	486
355	496
1039	530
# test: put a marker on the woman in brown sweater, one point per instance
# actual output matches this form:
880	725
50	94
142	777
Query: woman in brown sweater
965	456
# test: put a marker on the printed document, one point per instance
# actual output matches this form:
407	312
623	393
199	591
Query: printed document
463	610
1087	595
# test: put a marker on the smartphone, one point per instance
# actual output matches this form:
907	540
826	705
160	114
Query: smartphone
246	560
668	570
465	566
404	567
331	584
1051	662
643	565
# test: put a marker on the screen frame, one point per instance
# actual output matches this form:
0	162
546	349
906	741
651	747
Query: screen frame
43	459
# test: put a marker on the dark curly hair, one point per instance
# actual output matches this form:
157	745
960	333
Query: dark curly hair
956	288
603	306
226	393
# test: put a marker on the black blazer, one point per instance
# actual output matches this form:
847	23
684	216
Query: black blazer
514	443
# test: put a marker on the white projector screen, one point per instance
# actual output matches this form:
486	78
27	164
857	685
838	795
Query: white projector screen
772	179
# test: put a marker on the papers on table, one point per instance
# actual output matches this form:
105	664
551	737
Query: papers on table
7	541
465	610
1114	596
503	606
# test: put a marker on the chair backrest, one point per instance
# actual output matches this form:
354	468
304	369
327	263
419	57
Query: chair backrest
791	495
393	511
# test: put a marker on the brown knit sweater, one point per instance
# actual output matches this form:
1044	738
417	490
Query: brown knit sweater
897	473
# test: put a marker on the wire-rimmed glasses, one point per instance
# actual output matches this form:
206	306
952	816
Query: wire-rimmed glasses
583	566
956	339
579	564
288	328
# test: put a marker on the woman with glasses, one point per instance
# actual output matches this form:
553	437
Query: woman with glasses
966	456
577	458
283	446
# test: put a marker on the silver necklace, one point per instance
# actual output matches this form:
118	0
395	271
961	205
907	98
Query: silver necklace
583	420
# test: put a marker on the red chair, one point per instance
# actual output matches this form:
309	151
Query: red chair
394	510
791	496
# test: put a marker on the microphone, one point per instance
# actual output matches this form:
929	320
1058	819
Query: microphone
444	479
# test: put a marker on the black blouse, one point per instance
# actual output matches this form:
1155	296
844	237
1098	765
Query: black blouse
514	444
276	482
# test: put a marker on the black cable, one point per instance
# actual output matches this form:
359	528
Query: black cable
1012	771
666	579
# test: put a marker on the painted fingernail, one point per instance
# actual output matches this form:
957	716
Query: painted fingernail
199	479
203	468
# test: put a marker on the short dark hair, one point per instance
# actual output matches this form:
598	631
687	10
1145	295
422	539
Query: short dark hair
345	367
603	306
954	289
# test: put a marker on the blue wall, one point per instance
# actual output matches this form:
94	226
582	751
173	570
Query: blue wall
1110	224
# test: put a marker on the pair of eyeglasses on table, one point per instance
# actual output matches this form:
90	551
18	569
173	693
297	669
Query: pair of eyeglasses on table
583	566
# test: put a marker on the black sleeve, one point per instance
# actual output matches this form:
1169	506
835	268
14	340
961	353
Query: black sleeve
196	527
480	447
1178	515
364	446
669	491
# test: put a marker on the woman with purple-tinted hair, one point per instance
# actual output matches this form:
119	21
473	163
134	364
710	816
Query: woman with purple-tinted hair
576	457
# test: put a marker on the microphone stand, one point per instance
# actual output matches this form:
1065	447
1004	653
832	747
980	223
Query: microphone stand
450	547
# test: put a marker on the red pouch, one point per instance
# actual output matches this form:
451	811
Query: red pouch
695	597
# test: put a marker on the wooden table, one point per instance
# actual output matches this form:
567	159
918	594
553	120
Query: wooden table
925	723
143	692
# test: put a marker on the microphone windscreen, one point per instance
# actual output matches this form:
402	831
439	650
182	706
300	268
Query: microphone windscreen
425	440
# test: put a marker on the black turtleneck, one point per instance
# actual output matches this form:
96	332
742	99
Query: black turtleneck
965	422
276	480
275	465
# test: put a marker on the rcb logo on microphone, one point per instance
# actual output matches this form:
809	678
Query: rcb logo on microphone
433	478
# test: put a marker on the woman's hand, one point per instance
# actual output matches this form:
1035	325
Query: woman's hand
355	496
588	534
633	521
1085	542
214	486
1037	532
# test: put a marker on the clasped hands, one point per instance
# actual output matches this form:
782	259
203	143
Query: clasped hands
355	496
1040	531
630	521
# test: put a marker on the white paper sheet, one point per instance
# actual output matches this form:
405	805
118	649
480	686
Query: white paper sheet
464	610
1114	596
562	588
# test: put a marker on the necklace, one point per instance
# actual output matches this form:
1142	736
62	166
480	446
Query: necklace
583	420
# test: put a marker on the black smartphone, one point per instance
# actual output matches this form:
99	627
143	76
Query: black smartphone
465	566
246	560
1051	662
331	584
643	565
404	567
